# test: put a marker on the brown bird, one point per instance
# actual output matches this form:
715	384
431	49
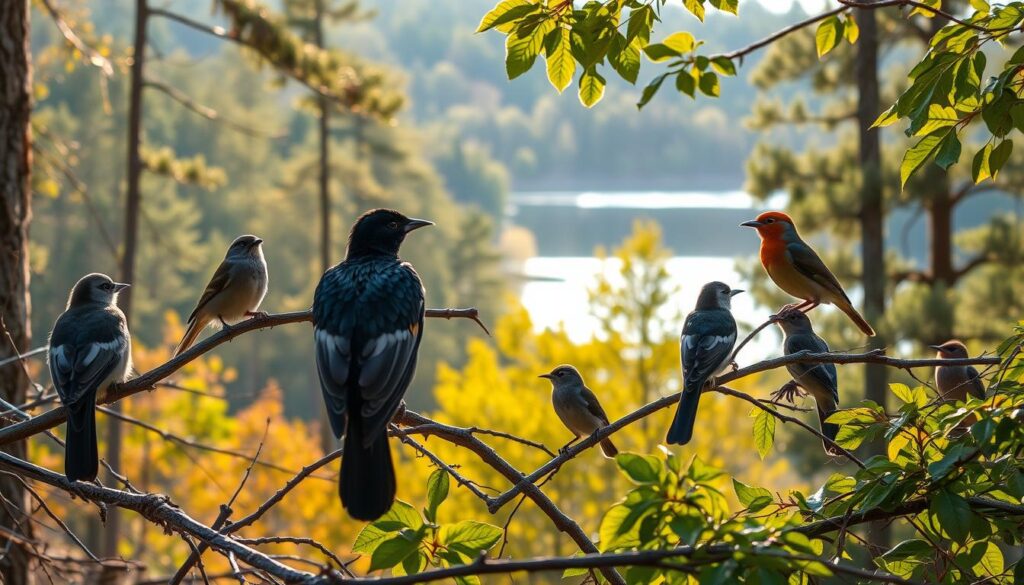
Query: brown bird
578	407
956	382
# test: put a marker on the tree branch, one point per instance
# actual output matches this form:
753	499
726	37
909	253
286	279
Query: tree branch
208	112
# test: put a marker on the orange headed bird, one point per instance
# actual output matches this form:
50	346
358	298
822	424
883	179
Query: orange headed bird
798	270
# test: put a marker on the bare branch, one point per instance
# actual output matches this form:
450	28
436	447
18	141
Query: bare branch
95	58
208	112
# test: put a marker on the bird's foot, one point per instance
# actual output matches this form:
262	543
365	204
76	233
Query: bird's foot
223	323
257	314
788	393
399	413
565	447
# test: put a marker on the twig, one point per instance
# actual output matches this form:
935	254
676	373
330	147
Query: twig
95	58
403	435
295	540
208	112
26	355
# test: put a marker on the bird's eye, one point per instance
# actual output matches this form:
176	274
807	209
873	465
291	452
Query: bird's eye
393	225
560	374
770	220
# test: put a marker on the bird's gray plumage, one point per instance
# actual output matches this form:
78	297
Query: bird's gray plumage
90	349
577	406
956	382
821	381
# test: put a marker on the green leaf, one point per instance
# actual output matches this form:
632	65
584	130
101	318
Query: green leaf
730	6
561	65
620	524
470	537
401	515
685	83
708	84
918	154
625	58
902	391
657	52
680	42
953	514
640	22
410	565
938	117
369	539
999	156
641	469
906	556
827	36
851	32
764	432
395	550
949	151
991	561
522	51
505	12
650	90
886	118
754	498
696	7
724	65
591	87
437	492
980	166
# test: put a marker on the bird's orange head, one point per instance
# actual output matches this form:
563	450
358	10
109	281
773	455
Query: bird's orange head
772	225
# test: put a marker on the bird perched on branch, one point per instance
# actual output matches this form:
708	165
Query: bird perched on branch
578	407
709	334
819	380
368	321
798	270
235	291
90	349
956	382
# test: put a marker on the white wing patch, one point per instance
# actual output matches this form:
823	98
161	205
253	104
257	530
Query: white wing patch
59	358
377	346
712	341
334	342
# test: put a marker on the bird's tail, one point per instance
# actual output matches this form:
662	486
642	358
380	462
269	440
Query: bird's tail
367	484
609	448
195	327
81	456
830	430
854	316
681	430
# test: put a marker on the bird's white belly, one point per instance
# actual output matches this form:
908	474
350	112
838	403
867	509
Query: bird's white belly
573	413
118	375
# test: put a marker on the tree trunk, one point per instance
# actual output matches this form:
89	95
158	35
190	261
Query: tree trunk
15	216
112	533
872	221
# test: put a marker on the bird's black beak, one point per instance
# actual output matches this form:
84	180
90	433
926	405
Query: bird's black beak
256	242
752	223
936	347
120	286
415	224
548	376
735	292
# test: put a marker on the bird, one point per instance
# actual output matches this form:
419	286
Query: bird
956	382
705	346
235	291
797	269
90	349
578	407
819	380
368	321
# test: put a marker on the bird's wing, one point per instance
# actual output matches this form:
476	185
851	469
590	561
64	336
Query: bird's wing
707	341
820	375
807	262
84	351
392	326
593	406
333	323
220	281
975	387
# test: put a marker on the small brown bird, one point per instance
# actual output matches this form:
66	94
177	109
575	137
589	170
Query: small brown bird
235	291
956	382
578	407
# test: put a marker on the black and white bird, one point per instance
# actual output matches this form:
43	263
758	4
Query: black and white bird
368	321
956	382
235	291
819	380
90	349
577	406
709	334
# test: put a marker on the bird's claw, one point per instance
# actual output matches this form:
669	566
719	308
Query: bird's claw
788	393
257	314
399	413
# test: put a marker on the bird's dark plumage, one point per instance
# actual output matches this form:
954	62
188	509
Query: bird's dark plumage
90	348
820	380
709	335
368	321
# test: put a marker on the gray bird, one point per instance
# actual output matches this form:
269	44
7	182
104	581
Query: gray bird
705	348
956	382
235	291
819	380
578	407
90	349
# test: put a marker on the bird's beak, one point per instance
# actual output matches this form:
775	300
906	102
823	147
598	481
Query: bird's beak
548	376
752	223
735	292
256	242
936	347
120	286
415	224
